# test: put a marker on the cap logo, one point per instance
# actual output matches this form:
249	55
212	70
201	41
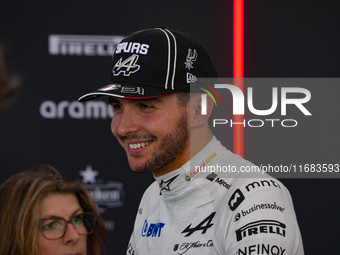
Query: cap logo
110	87
132	47
124	89
132	90
191	57
191	78
127	66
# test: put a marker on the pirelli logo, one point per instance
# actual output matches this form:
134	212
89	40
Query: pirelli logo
83	45
261	227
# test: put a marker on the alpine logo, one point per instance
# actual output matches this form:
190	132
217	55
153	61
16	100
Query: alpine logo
152	229
204	226
126	66
261	227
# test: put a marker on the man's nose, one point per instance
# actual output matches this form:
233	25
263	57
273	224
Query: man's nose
126	123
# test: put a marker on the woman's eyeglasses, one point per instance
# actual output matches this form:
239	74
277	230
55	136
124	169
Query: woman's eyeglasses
55	227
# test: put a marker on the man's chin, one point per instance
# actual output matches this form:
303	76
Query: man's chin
141	164
145	167
137	169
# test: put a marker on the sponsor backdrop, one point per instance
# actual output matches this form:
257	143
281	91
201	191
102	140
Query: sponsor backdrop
62	49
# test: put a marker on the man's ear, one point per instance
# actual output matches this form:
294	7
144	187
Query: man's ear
201	106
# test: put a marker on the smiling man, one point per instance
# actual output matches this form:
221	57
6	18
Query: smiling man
158	122
139	127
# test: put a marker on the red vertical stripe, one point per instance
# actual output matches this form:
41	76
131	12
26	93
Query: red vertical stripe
238	71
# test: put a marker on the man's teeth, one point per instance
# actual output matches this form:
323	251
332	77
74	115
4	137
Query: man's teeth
138	145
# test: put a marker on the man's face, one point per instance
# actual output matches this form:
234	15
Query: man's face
153	132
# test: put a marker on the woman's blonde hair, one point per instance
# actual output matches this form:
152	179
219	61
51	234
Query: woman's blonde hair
20	198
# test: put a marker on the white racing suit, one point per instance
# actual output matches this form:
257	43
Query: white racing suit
204	208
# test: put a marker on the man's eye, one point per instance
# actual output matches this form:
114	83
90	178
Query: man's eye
145	106
116	107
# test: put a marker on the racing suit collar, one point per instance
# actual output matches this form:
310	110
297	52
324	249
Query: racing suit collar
173	183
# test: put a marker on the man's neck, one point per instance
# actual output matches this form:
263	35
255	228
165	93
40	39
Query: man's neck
196	143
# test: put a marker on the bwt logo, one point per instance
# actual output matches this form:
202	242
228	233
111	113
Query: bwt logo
238	100
152	230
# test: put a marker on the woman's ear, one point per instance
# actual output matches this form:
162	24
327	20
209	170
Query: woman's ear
201	106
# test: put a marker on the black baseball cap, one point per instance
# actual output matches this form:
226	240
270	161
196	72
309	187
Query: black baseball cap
155	62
